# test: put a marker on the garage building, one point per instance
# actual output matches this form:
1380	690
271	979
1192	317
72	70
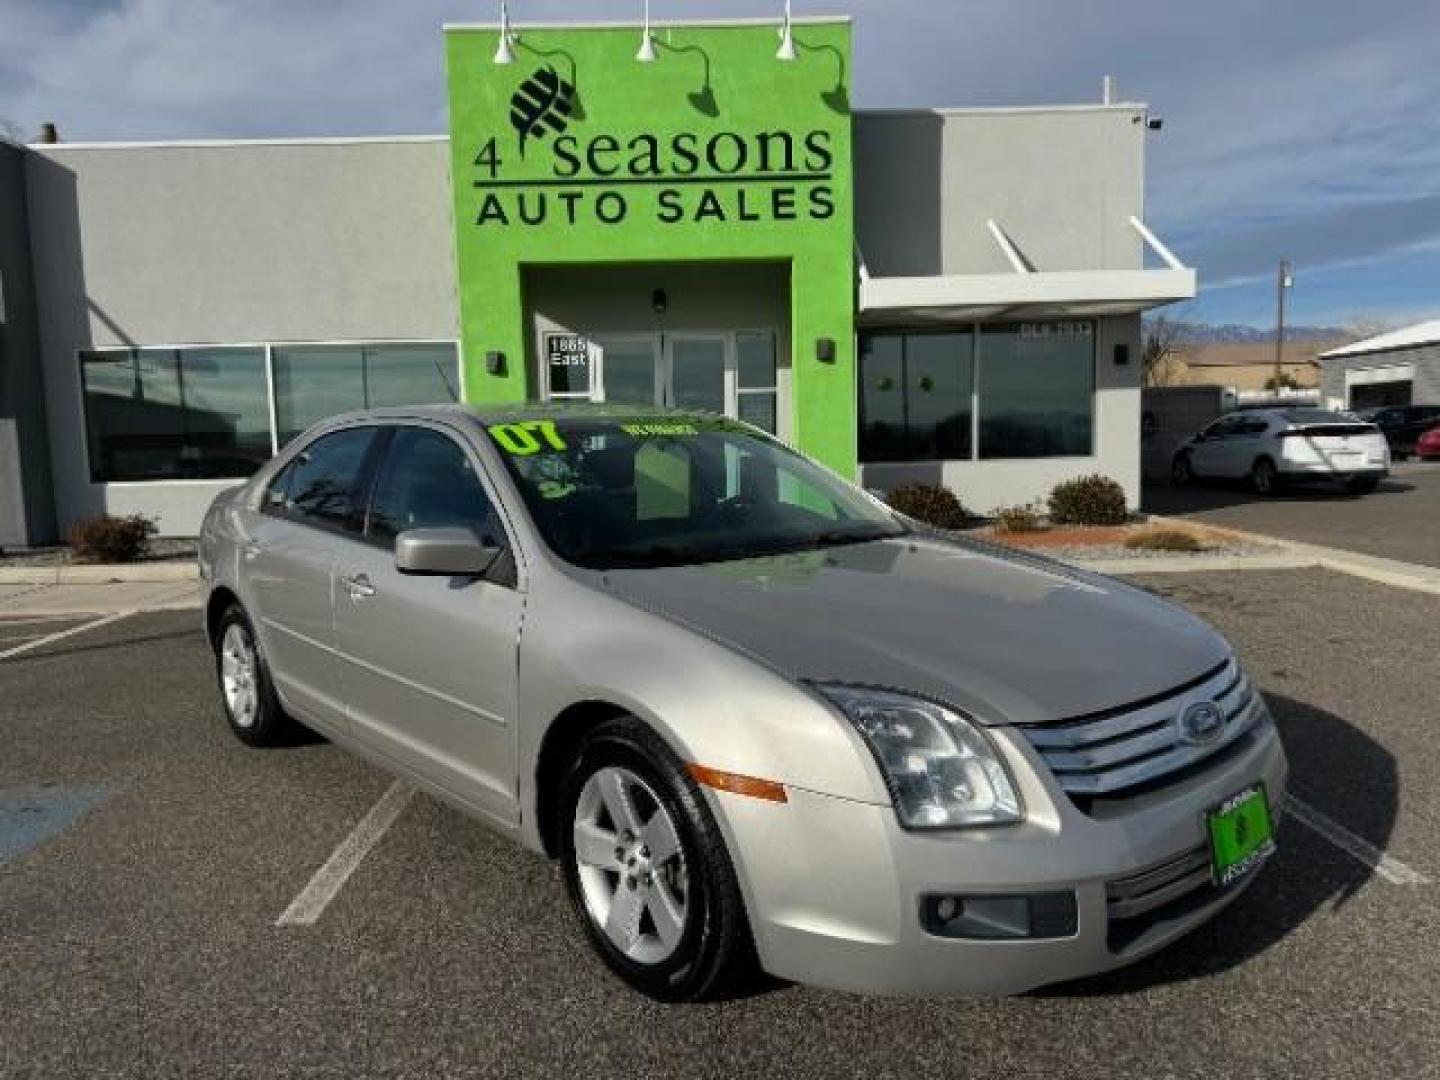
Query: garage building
1398	368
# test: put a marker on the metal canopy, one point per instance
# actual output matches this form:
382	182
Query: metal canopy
1026	292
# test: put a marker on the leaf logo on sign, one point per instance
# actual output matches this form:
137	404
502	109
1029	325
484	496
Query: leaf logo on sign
543	103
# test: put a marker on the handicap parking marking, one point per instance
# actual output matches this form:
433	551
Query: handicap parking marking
312	901
30	816
60	635
1358	848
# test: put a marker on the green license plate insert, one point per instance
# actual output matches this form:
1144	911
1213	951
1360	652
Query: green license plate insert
1242	835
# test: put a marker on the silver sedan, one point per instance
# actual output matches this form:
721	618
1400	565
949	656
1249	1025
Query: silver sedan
757	716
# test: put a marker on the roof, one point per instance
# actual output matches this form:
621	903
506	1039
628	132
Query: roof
1412	337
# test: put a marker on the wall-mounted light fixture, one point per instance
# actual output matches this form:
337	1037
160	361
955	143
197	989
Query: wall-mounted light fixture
786	51
505	51
1122	354
660	301
825	350
495	363
646	55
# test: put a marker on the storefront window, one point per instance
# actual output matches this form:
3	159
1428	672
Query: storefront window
916	396
1037	390
316	381
176	414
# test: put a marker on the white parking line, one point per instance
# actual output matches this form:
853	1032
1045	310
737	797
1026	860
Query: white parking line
1392	870
330	878
48	638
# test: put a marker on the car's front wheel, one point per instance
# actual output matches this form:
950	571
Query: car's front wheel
246	693
647	869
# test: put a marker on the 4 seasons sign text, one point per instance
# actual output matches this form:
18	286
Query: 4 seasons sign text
683	177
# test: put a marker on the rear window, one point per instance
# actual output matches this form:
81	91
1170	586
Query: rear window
1316	416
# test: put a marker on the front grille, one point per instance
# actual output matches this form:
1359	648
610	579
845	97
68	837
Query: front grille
1120	751
1138	904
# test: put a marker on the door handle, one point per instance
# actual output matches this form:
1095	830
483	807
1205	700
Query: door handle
359	586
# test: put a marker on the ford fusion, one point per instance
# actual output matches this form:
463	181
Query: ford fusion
758	717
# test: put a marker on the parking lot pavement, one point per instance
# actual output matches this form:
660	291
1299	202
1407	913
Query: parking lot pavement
141	940
1399	521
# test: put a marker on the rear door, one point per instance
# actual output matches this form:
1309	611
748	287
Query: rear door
1208	455
431	663
312	508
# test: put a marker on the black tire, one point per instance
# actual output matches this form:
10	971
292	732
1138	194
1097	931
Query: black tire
715	956
268	725
1264	479
1182	473
1363	485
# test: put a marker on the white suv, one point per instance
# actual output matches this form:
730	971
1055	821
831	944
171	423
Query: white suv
1272	447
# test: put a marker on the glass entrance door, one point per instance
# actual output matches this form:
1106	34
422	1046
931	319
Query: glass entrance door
630	369
730	373
700	374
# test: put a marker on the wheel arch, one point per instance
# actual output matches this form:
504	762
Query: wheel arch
220	600
557	747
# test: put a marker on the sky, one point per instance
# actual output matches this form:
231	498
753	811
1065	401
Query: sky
1300	129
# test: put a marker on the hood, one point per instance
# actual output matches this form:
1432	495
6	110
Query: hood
1008	638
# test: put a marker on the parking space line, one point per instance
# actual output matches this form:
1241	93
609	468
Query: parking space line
1392	870
330	878
61	634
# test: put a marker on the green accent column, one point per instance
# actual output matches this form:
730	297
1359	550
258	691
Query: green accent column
579	154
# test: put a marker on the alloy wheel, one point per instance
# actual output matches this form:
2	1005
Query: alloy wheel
239	675
631	865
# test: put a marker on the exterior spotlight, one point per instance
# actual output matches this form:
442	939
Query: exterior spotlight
786	52
504	53
646	55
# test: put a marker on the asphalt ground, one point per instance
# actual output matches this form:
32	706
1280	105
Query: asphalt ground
139	938
1401	520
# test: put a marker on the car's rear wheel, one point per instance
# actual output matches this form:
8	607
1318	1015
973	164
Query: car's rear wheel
246	693
647	869
1181	471
1263	477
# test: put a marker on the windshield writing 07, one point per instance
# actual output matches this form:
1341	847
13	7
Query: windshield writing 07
665	491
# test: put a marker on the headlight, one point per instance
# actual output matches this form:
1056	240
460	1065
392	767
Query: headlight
942	770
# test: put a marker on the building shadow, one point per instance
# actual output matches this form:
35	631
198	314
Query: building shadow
1308	874
1162	497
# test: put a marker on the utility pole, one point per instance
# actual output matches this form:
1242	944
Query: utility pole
1284	281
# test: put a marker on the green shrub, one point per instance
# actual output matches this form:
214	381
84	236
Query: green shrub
1165	540
930	503
1090	500
109	539
1027	518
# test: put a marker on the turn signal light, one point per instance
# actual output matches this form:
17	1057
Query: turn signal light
737	784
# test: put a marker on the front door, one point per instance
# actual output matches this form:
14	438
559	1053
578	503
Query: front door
727	373
430	663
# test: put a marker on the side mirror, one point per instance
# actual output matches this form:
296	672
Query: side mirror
445	552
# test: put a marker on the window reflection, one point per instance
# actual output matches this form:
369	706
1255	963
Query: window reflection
1037	390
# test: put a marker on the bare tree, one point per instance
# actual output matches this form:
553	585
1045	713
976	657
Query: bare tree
1163	360
10	130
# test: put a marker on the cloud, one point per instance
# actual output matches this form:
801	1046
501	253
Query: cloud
1307	128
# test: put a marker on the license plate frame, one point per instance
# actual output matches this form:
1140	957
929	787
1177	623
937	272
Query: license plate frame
1241	834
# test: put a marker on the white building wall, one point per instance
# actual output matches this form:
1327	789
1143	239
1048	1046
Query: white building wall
238	243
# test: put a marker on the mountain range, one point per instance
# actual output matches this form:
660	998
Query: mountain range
1235	334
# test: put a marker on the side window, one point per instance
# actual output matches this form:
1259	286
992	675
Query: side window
427	482
319	486
1257	426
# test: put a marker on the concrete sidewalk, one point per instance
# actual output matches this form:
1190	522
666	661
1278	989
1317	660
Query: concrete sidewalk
106	598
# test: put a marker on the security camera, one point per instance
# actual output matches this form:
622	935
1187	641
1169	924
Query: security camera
1155	123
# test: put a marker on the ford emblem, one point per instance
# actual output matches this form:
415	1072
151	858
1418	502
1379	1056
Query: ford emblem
1201	723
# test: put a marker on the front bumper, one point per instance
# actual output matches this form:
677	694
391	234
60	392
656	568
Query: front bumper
834	887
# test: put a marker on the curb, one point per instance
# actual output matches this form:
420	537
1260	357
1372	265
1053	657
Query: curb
99	573
1192	564
1401	575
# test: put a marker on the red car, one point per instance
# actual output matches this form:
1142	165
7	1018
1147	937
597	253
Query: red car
1427	447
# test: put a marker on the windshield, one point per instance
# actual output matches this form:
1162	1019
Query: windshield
650	491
